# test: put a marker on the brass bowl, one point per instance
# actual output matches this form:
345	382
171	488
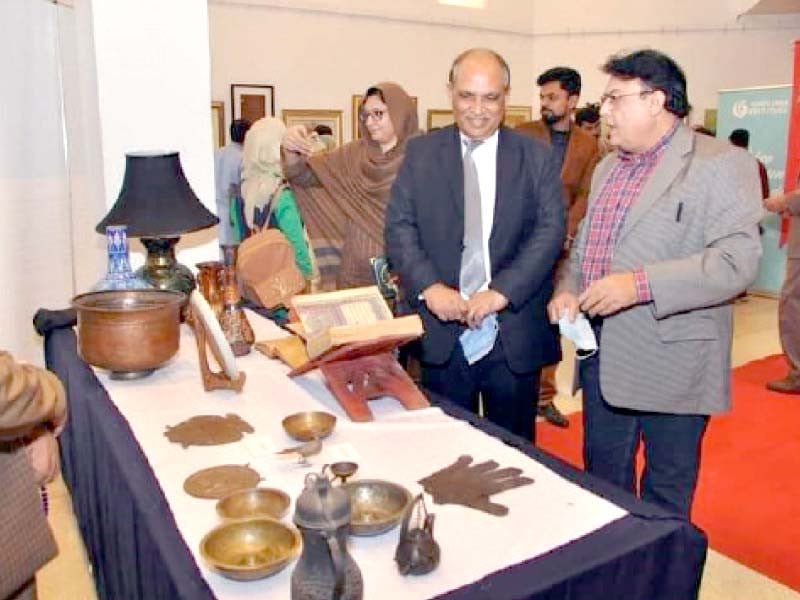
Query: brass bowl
248	549
129	332
306	426
254	502
377	505
343	469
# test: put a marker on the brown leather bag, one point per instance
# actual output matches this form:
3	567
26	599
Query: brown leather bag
267	269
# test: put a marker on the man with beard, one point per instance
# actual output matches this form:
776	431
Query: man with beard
576	150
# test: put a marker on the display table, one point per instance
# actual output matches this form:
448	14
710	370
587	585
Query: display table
142	545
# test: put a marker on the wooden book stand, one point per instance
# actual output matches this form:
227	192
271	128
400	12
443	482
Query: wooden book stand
213	380
360	371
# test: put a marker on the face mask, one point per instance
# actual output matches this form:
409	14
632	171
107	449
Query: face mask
581	334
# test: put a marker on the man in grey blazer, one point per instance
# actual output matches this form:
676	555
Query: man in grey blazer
480	195
670	237
789	307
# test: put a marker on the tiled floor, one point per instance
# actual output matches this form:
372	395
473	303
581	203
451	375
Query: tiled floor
68	576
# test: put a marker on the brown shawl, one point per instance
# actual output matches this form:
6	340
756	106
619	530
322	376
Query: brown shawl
344	203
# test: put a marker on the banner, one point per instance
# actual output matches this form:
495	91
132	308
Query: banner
793	147
764	112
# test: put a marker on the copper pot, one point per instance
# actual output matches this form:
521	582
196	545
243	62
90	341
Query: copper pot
129	332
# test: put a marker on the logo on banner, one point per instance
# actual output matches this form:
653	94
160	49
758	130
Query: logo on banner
740	109
756	107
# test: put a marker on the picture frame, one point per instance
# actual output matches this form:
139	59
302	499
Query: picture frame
311	117
218	123
516	114
252	101
438	118
355	104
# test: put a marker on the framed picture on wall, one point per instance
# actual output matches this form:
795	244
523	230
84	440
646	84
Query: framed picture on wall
438	118
218	123
354	109
252	102
516	115
313	117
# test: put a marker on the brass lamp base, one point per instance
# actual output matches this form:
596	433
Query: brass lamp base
162	270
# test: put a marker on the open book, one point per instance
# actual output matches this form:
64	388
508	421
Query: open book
336	318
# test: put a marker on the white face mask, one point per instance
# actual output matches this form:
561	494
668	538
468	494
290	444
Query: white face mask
581	334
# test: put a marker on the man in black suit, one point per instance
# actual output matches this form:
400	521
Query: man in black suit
474	227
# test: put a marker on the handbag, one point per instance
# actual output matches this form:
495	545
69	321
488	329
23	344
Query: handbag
267	269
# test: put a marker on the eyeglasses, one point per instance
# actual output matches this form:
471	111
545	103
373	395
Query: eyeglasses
376	114
612	98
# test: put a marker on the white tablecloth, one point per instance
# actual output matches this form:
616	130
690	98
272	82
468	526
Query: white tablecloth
401	446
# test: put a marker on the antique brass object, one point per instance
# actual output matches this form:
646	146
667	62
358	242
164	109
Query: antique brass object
417	552
325	569
307	426
248	549
129	332
473	485
377	505
217	482
342	470
208	430
254	502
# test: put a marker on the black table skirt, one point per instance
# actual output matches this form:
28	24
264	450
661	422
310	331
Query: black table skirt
137	552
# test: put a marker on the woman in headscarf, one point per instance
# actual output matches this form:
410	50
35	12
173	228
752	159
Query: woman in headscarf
266	197
343	193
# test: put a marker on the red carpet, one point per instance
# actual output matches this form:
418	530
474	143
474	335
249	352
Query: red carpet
748	497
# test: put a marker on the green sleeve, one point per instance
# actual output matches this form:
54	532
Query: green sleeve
287	218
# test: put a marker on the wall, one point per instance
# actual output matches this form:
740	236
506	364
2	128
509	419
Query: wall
319	60
319	52
152	88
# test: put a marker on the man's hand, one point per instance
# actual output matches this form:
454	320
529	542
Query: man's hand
777	204
481	305
561	303
610	294
445	302
43	456
297	140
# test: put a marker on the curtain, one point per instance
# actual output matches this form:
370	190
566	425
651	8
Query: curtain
35	224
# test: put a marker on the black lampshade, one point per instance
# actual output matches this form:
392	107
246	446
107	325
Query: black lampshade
156	199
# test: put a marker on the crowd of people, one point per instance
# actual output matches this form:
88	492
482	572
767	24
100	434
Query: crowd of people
616	210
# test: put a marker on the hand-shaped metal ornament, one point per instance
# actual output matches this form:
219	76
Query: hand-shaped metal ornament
472	485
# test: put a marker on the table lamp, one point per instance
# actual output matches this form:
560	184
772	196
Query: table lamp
158	205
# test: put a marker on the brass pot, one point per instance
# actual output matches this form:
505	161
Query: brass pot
129	332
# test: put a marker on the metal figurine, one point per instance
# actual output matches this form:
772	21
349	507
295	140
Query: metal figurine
417	552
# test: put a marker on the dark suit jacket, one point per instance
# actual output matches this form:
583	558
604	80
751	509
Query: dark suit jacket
425	228
580	160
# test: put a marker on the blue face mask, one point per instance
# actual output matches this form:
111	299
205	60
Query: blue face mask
477	343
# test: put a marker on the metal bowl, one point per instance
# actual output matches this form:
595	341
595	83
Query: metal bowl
377	505
129	332
343	469
307	426
249	549
254	502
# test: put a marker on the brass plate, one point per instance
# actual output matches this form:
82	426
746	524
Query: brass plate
217	482
208	430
